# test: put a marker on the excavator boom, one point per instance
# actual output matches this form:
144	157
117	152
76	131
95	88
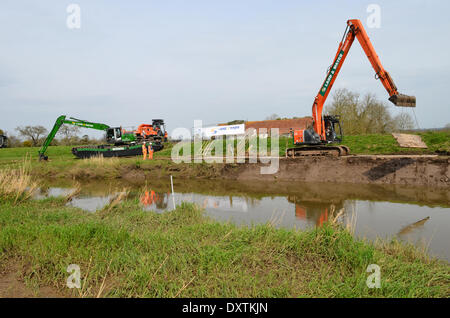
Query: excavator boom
71	121
120	142
324	130
356	30
394	96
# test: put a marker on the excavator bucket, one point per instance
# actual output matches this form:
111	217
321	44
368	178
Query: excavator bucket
403	100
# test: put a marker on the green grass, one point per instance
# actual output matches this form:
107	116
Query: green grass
58	155
145	254
386	144
377	144
11	155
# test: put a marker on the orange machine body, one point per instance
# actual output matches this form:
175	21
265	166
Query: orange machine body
146	130
299	136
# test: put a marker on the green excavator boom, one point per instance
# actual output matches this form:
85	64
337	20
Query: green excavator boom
71	121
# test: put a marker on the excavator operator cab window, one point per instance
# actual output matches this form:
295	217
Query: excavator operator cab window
114	135
159	127
333	130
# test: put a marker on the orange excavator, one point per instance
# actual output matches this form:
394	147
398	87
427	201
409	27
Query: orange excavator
327	129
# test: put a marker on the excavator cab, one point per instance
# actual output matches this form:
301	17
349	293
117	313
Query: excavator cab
158	125
333	130
114	135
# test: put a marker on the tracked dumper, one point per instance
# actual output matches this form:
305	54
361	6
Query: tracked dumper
120	143
320	139
108	151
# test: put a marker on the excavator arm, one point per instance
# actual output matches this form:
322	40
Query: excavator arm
354	30
71	121
394	96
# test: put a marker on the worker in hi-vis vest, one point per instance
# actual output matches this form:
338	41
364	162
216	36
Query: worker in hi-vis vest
150	152
144	151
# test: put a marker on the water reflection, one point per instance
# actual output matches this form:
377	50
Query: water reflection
315	212
154	201
49	192
413	227
91	204
159	202
287	211
416	215
310	212
87	202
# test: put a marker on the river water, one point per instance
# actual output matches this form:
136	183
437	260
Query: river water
417	215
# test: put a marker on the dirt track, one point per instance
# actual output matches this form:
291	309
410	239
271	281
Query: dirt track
411	170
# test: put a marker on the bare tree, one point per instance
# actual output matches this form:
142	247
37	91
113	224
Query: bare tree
272	117
374	116
68	132
32	132
345	104
361	116
13	141
404	121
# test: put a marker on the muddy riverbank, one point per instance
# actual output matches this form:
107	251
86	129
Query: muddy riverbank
433	171
430	171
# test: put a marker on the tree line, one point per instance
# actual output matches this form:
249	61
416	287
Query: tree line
34	136
359	115
363	115
366	115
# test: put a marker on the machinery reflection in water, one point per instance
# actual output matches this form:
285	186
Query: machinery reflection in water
316	212
310	211
152	200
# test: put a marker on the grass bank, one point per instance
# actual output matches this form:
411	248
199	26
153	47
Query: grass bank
386	144
125	252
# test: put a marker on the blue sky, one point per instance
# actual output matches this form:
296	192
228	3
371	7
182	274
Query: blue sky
132	61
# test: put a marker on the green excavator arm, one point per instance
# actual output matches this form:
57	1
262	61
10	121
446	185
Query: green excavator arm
71	121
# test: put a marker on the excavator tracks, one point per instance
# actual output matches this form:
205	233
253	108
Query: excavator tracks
333	151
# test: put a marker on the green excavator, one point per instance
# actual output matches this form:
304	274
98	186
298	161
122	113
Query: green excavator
120	143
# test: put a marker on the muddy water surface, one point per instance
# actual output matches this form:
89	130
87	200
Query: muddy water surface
417	215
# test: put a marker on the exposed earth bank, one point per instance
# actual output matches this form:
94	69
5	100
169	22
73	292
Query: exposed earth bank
433	171
410	170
